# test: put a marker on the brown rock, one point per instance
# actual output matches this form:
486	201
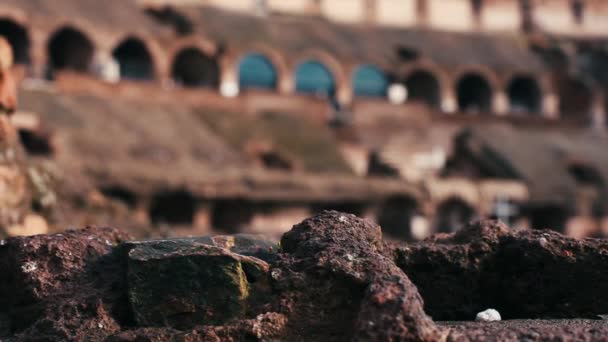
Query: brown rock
183	283
335	284
524	274
60	286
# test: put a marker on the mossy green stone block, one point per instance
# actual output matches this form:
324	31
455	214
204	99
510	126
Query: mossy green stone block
184	283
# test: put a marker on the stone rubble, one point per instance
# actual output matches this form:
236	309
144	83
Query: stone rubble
331	278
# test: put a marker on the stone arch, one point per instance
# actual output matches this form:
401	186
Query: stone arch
70	48
256	70
193	68
331	64
18	36
524	94
231	60
474	93
395	216
369	81
314	77
452	214
423	86
135	59
575	99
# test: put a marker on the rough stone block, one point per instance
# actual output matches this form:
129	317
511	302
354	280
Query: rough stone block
183	283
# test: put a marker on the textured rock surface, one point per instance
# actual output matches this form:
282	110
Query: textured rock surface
183	283
336	283
62	287
526	274
527	330
333	280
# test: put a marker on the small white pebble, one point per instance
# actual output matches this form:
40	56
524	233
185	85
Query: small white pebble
108	243
275	274
100	326
489	315
350	257
543	242
2	242
29	267
342	219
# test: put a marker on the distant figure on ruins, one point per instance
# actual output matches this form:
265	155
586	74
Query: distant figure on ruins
15	194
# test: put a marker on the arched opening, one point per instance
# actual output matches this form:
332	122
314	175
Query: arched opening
232	216
552	217
70	49
36	142
524	95
369	81
422	86
474	94
257	71
575	99
453	214
18	37
395	217
120	194
173	207
591	194
312	77
192	68
134	60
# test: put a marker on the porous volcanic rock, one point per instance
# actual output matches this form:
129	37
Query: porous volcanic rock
336	283
522	274
62	286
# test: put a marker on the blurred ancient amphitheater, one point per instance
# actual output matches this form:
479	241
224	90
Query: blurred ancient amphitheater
420	114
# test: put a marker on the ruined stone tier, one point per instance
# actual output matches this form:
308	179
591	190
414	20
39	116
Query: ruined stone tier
277	55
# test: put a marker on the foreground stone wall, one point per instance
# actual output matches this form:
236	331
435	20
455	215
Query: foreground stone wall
332	278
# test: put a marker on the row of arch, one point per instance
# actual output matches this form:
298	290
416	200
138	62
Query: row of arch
319	74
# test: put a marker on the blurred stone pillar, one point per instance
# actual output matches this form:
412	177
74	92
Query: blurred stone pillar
314	8
500	103
449	104
598	111
370	12
550	106
422	12
38	54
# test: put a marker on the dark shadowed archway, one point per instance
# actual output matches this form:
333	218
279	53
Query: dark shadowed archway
395	216
452	214
173	207
423	87
70	49
19	39
474	94
134	59
524	95
192	68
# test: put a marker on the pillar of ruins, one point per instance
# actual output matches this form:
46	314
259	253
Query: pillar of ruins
422	12
550	106
500	103
314	8
370	12
449	104
598	111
